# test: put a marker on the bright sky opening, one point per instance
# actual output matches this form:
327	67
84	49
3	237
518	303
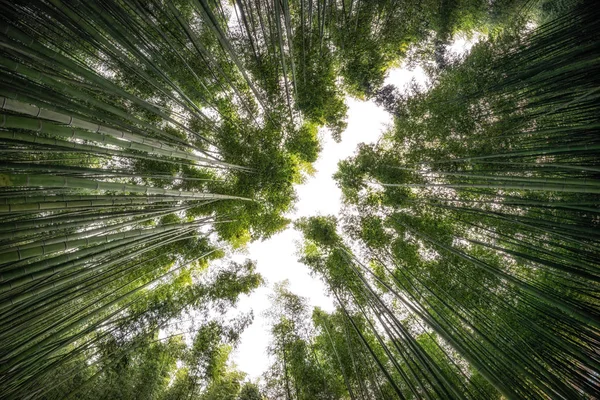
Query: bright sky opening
276	258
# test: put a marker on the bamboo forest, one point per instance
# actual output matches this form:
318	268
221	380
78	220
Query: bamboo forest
147	146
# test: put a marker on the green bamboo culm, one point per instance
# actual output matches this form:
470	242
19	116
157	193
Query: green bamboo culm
111	175
478	212
136	136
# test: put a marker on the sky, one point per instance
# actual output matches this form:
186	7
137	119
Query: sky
276	258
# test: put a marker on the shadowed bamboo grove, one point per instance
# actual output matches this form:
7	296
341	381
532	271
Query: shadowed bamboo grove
144	142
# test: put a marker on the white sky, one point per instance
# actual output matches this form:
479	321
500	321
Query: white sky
276	258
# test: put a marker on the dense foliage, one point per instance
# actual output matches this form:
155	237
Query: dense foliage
469	242
142	142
